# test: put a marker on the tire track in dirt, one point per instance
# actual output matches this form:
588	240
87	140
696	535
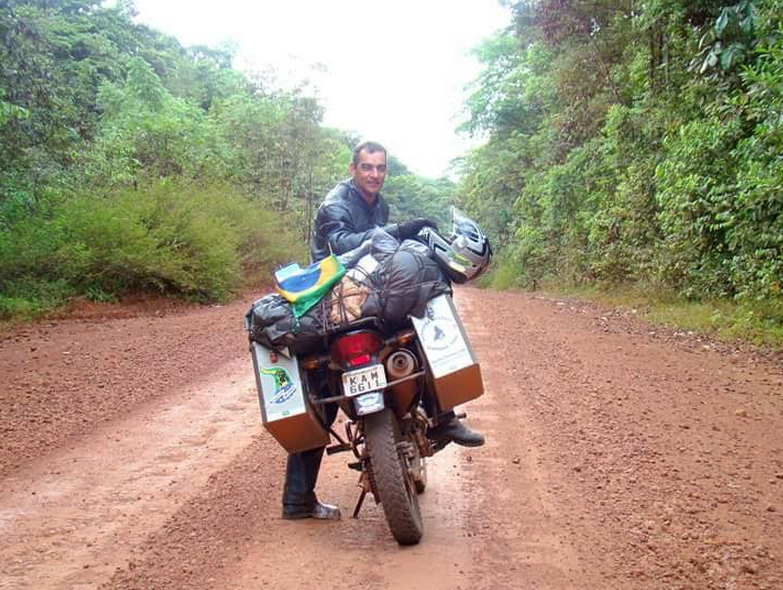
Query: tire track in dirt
61	379
515	527
488	521
74	517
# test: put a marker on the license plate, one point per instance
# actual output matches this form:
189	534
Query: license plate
364	380
369	403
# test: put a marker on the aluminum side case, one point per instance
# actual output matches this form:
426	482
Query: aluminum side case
455	369
284	408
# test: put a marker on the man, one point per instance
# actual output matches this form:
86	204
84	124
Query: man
355	207
344	220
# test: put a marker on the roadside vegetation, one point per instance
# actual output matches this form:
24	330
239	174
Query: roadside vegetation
129	163
637	148
756	322
634	153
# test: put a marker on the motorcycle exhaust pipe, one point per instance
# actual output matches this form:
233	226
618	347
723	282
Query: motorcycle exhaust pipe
399	364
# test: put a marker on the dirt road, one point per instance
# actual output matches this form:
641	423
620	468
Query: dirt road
132	456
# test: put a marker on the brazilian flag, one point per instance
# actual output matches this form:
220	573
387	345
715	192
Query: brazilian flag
304	287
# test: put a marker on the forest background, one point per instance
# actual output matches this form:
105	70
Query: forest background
631	144
638	143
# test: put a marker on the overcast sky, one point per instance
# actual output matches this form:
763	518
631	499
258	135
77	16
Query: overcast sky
393	71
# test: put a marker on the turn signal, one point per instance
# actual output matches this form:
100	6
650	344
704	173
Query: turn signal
310	363
406	337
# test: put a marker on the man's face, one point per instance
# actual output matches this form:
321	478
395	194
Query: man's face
369	173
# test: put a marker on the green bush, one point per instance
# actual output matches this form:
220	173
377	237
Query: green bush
203	242
503	275
29	296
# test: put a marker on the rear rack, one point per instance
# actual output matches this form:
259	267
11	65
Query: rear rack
319	401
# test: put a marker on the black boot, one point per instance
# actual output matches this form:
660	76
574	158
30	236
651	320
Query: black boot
299	500
449	428
315	509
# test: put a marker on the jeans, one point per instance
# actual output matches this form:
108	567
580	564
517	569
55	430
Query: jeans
301	472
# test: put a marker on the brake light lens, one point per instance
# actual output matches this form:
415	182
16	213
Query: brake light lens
356	349
362	359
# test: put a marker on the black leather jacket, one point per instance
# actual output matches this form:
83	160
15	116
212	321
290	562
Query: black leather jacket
344	220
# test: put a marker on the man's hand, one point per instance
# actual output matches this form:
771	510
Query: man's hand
410	229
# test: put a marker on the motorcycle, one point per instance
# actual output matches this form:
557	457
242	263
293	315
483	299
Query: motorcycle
392	384
389	394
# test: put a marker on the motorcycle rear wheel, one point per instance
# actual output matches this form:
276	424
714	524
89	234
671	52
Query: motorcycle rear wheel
393	479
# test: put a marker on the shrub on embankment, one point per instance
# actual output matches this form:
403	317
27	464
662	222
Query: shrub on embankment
202	242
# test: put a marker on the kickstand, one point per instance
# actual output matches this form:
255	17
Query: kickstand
359	504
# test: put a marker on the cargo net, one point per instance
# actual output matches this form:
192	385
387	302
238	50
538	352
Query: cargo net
386	294
346	303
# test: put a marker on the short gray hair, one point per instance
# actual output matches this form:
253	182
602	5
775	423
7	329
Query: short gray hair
371	147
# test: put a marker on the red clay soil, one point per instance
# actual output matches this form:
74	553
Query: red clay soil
62	377
619	456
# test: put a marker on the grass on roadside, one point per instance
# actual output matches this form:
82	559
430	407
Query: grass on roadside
757	322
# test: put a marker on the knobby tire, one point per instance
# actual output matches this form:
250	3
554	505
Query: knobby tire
394	483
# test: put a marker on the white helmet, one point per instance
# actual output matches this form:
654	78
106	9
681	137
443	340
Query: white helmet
466	254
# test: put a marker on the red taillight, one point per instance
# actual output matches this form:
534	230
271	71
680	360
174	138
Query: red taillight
362	359
356	349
